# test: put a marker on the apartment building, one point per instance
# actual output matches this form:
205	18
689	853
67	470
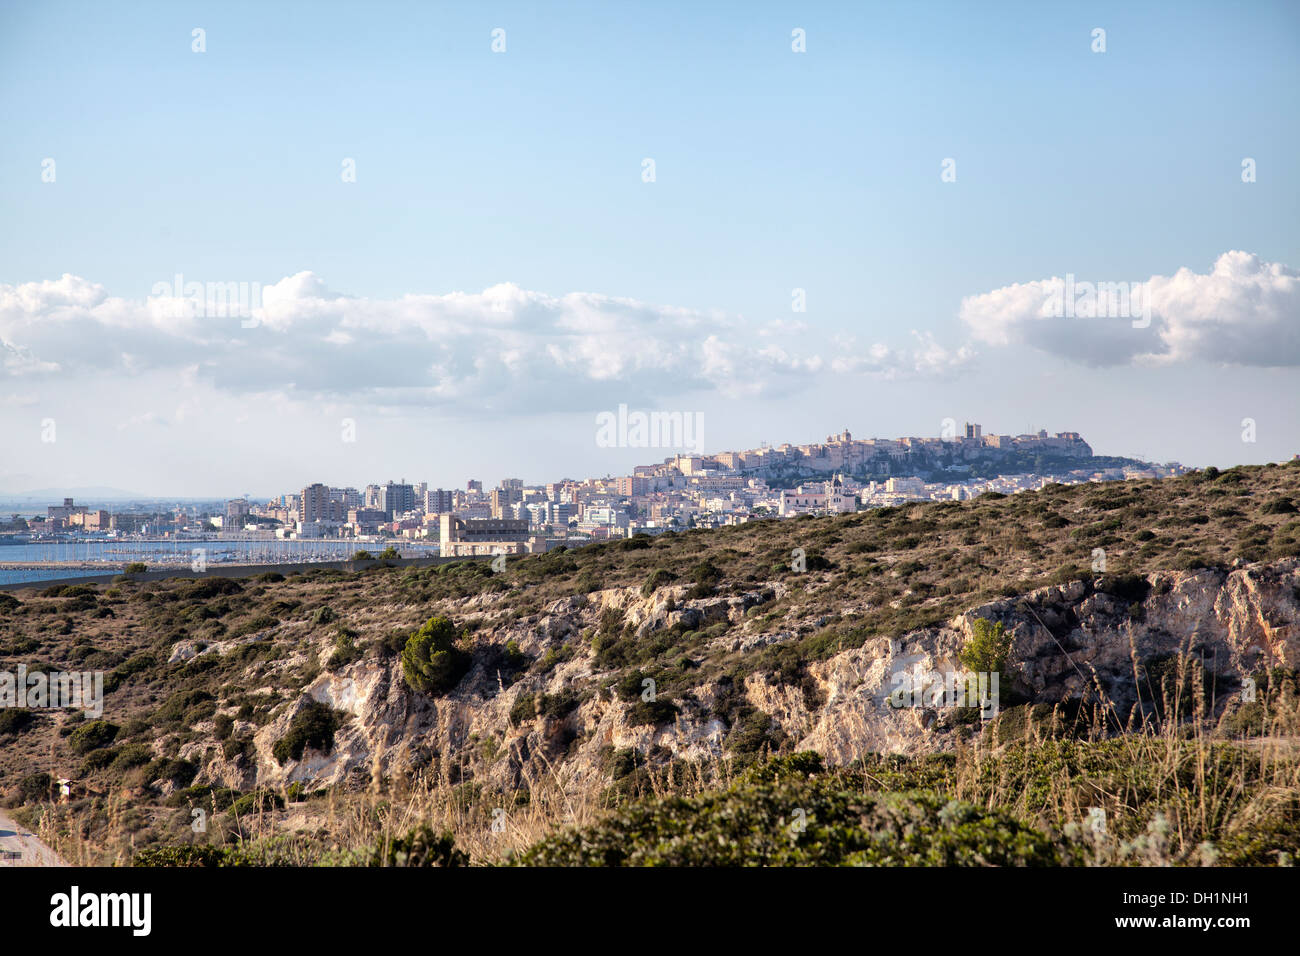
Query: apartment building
236	514
437	501
633	487
314	503
460	537
397	498
89	520
64	511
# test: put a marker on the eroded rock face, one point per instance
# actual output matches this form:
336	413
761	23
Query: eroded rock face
1069	642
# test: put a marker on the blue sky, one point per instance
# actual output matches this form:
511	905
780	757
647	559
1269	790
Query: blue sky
774	170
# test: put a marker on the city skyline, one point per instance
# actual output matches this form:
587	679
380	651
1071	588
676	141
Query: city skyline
108	494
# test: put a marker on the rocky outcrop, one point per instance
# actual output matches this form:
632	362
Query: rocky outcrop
1100	641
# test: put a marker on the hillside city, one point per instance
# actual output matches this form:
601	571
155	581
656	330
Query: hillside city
841	474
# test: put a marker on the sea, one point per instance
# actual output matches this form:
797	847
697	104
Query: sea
51	560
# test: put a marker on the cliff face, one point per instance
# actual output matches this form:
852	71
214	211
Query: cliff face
1104	641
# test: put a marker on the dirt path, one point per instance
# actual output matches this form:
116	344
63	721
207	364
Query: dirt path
20	847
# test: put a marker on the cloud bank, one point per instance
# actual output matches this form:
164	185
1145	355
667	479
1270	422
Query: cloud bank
1245	311
504	349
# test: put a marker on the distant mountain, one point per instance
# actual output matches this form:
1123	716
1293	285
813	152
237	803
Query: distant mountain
58	494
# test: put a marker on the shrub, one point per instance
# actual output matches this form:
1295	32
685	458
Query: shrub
14	720
751	825
515	658
559	706
987	650
345	652
313	726
180	773
135	567
232	748
655	712
1128	587
431	662
420	847
524	709
706	573
132	755
35	787
185	855
98	760
362	555
187	706
257	802
658	578
92	735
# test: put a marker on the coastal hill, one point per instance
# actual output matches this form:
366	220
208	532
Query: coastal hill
666	699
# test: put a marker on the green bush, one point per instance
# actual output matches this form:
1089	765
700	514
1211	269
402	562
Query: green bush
431	662
97	760
987	650
233	748
1128	587
14	720
180	773
259	801
658	578
655	712
135	567
421	847
799	822
91	736
35	787
524	709
558	706
132	755
313	726
345	652
223	725
187	855
186	707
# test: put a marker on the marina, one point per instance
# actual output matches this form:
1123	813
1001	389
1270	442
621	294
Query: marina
39	560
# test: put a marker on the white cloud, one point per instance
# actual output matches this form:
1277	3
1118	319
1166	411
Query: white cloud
504	350
1245	311
143	419
929	359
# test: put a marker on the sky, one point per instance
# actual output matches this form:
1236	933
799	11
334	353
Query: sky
463	231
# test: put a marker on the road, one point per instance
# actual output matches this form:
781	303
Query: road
19	840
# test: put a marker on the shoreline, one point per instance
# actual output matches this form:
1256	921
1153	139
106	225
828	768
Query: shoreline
235	571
